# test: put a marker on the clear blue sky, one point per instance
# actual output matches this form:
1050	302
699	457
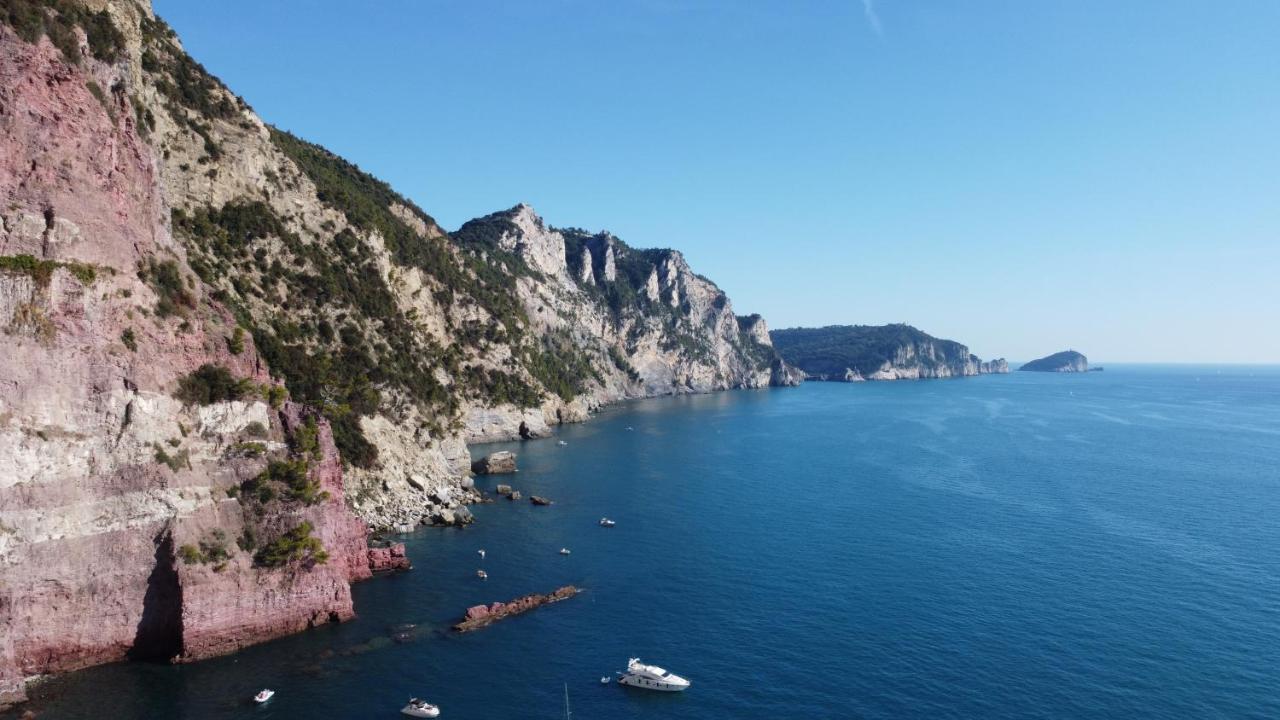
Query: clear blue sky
1020	176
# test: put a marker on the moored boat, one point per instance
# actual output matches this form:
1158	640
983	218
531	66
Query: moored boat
263	695
651	677
420	708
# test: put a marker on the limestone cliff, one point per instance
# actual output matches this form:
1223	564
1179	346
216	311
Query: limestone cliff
119	533
853	353
227	348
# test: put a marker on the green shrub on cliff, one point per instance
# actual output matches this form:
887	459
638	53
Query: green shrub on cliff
212	549
297	544
294	475
42	270
210	384
189	554
32	19
166	280
235	343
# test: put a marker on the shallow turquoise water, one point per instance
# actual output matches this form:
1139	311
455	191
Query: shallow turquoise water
1021	546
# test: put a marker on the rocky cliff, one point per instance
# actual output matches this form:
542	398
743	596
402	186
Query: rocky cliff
226	349
853	353
1066	361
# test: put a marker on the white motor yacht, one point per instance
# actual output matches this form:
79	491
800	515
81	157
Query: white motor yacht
420	708
651	677
606	522
564	551
263	696
482	575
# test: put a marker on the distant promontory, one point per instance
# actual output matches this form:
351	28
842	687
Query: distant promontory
852	353
1063	362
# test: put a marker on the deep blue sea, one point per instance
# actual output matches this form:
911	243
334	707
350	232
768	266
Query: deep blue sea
1104	545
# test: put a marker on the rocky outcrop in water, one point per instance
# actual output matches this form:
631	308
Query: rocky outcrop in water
482	616
854	353
495	463
388	559
1067	361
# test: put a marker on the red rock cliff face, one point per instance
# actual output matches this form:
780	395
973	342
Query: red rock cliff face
105	477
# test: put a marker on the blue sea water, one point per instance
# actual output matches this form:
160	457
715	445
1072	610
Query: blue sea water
1104	545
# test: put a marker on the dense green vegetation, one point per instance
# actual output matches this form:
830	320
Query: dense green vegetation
865	348
34	19
560	365
164	277
42	270
366	202
210	384
287	479
295	545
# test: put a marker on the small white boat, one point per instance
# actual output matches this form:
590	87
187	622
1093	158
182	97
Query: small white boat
264	695
604	680
606	522
651	677
562	443
564	551
481	551
482	575
420	708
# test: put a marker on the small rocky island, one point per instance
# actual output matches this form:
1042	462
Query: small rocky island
480	616
1067	361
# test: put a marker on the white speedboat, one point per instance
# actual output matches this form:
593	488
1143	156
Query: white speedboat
482	575
263	696
420	708
562	443
564	551
651	677
606	522
481	551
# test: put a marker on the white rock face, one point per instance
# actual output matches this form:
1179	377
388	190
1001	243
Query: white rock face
541	248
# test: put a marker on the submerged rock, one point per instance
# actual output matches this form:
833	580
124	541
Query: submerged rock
539	500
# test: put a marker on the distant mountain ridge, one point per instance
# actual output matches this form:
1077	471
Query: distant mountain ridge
852	353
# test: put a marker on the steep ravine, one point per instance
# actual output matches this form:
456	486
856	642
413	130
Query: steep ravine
227	352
